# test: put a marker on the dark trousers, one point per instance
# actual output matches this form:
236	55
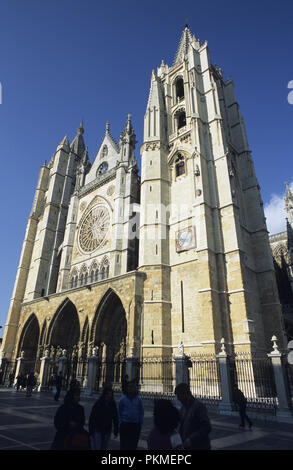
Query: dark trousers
57	393
129	435
243	415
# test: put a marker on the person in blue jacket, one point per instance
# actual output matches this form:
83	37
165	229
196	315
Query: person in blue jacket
131	413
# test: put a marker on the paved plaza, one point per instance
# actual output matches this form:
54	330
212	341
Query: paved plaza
26	423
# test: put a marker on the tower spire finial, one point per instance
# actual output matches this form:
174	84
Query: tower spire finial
80	130
107	127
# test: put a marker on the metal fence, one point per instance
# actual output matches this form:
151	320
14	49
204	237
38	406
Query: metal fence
204	378
255	378
156	376
289	377
110	372
7	372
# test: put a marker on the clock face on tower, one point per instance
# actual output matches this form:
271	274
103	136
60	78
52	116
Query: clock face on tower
185	239
94	228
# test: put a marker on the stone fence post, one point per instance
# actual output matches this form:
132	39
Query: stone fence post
44	371
132	366
62	361
181	369
284	410
92	371
20	366
225	379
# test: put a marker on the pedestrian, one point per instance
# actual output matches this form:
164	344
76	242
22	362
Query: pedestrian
69	422
131	413
124	383
194	425
164	435
51	382
11	378
241	402
19	381
30	381
58	385
103	415
74	383
23	381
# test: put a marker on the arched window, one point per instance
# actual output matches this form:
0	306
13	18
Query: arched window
181	117
180	165
92	276
81	280
179	87
105	269
97	275
104	151
73	280
85	278
103	168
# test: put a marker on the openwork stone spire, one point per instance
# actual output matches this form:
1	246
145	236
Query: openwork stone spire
186	38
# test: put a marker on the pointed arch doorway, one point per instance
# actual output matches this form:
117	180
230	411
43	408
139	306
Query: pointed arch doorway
64	334
28	343
108	334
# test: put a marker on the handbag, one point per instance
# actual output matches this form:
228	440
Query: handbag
78	440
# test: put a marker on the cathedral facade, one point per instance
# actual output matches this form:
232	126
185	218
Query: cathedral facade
282	250
134	265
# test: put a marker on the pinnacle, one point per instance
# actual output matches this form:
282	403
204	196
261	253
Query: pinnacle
77	145
288	192
64	143
186	39
80	130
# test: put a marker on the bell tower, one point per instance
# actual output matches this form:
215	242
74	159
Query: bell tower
203	238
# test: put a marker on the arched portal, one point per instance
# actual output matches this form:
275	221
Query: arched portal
64	333
65	329
109	335
29	341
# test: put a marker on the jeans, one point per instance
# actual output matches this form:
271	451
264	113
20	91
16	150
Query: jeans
99	440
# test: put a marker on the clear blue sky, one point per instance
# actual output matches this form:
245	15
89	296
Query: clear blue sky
63	61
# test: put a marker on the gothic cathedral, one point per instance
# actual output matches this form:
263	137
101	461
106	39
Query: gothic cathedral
134	265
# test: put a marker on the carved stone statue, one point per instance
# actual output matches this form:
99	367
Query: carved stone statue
181	348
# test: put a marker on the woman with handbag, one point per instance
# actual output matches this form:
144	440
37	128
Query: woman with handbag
69	422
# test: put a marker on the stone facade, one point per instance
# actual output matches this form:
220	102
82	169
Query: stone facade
195	266
282	250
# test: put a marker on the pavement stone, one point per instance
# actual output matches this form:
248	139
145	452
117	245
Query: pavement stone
26	423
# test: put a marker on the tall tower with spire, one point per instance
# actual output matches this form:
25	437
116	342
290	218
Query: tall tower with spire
203	237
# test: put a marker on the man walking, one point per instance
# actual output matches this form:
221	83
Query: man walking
195	425
240	400
131	414
58	384
30	380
